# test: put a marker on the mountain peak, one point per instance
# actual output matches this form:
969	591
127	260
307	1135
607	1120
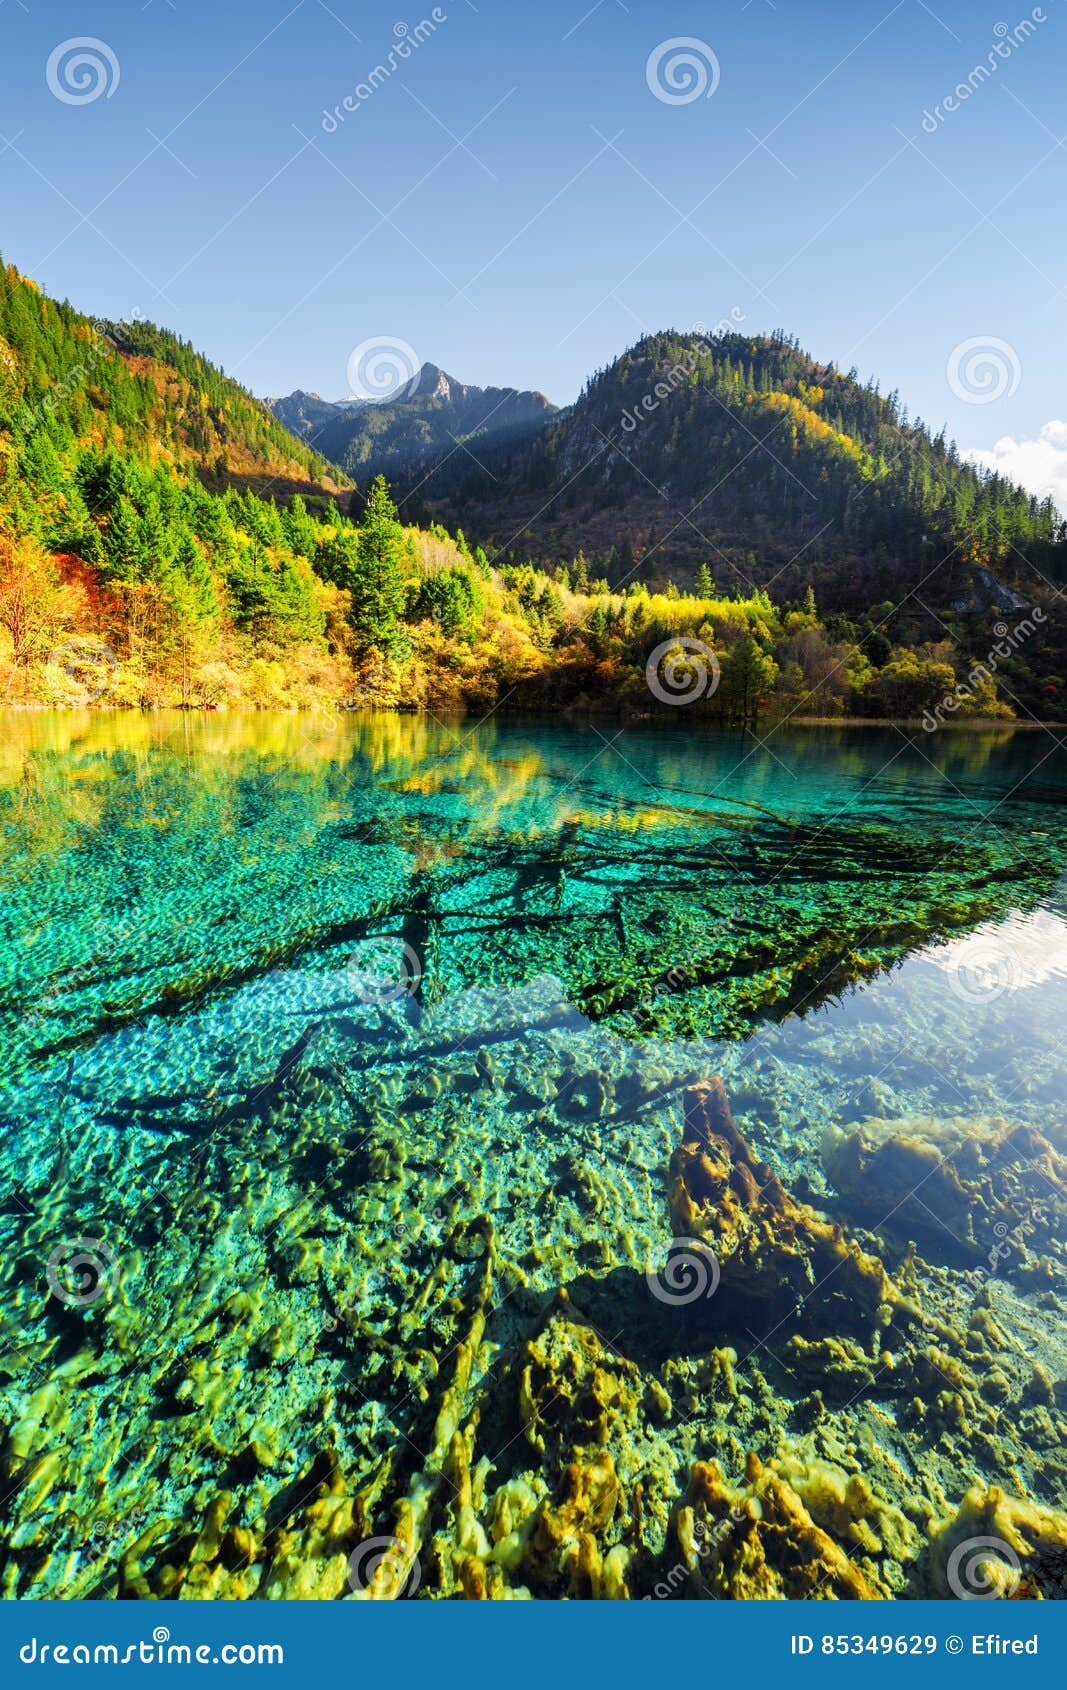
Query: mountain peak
432	382
816	480
418	423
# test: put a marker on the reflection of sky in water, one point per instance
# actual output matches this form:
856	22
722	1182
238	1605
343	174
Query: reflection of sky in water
1021	952
972	1026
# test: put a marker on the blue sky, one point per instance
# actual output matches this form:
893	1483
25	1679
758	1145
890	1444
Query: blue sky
516	202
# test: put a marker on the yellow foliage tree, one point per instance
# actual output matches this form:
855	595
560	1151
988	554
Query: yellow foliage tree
36	605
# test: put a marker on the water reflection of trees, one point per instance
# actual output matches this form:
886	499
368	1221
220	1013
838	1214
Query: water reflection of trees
229	844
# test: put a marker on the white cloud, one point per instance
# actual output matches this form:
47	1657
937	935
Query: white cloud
1038	465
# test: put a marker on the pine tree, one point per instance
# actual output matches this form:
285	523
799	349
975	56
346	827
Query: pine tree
124	554
748	675
375	576
598	629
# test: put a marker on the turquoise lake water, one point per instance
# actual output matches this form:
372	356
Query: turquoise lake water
465	965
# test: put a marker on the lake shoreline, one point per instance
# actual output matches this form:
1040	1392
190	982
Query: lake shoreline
331	709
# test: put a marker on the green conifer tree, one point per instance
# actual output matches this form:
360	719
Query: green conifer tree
375	575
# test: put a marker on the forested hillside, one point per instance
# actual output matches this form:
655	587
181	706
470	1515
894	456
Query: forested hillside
746	454
164	541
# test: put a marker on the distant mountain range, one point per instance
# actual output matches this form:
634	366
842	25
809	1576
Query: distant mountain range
153	508
740	452
430	418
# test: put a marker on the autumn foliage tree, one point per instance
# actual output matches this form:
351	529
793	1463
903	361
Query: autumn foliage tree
36	605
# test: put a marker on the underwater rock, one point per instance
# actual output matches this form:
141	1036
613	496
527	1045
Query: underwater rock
776	1256
759	1542
996	1191
571	1383
852	1510
563	1537
567	1534
874	1097
997	1545
839	1368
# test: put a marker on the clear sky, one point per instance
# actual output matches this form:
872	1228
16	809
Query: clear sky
516	201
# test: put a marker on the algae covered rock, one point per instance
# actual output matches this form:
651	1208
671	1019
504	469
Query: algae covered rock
759	1542
775	1255
983	1190
852	1509
573	1389
1000	1546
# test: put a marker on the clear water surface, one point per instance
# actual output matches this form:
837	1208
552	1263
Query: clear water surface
287	1003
